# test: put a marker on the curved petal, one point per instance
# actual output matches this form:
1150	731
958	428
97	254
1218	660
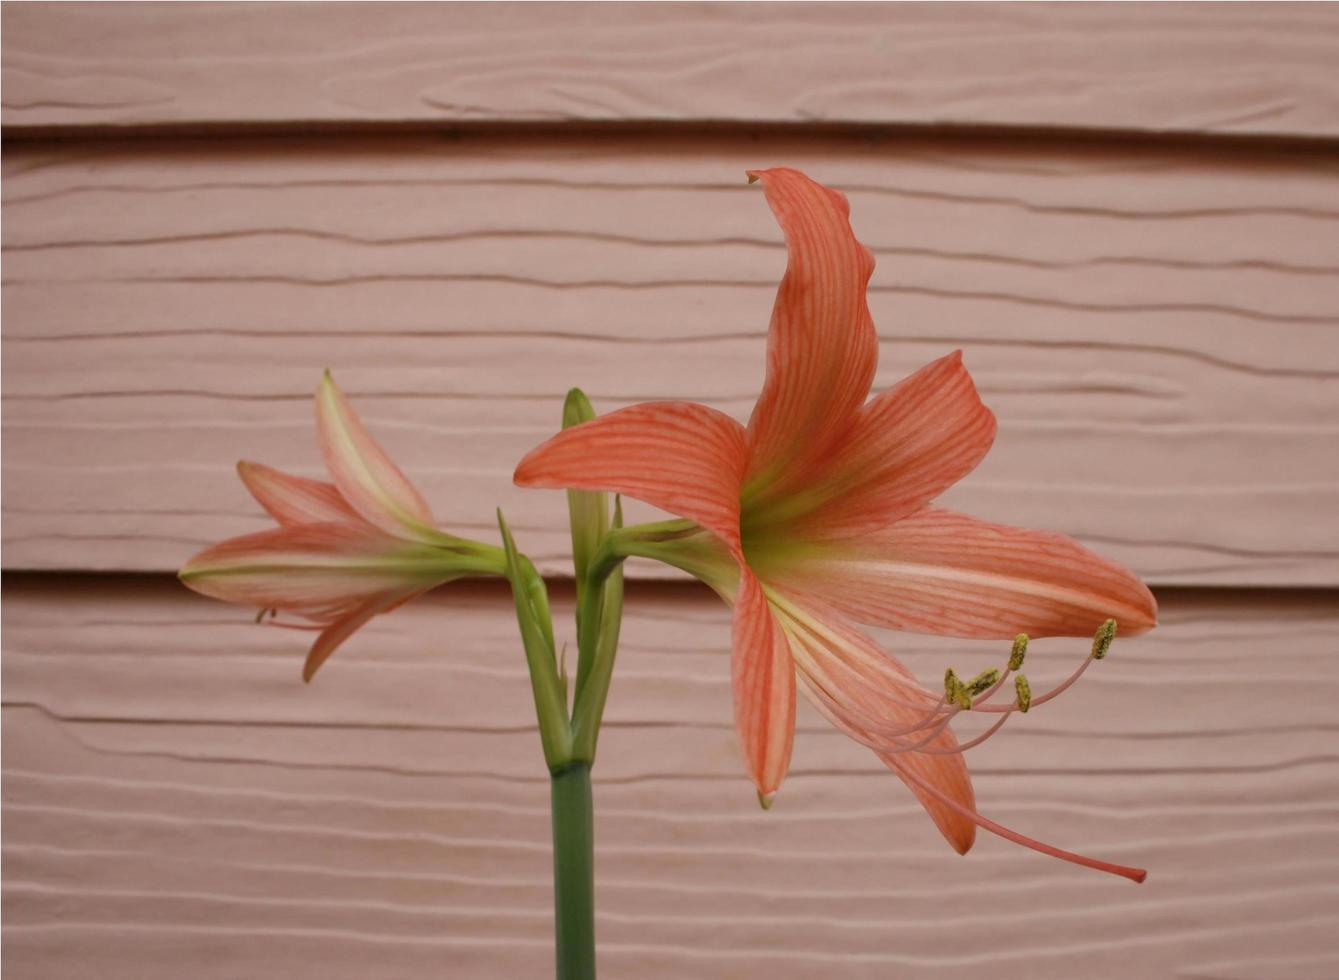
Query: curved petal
682	457
939	571
908	446
764	688
368	479
295	500
865	693
315	570
340	630
822	349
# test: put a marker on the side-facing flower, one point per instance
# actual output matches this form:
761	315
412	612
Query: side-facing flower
344	551
818	515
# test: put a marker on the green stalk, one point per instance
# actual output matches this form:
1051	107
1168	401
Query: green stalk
574	872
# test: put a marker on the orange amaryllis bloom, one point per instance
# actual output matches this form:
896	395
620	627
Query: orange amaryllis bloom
817	515
344	551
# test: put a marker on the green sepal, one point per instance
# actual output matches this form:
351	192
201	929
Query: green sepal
532	615
593	688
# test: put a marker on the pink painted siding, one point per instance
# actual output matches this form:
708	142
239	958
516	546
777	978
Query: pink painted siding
206	204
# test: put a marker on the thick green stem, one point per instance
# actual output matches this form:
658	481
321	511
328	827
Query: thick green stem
574	872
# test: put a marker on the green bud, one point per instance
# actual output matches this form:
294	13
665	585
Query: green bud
588	510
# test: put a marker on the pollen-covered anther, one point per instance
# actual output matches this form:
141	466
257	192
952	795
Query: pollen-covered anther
982	682
955	692
1102	639
1018	652
1023	692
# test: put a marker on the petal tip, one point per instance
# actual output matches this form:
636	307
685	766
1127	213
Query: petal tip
765	800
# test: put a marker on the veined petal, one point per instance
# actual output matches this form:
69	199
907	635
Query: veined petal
863	691
764	688
315	570
348	624
294	500
908	446
939	571
365	475
822	349
682	457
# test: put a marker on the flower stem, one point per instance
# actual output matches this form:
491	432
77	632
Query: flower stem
574	872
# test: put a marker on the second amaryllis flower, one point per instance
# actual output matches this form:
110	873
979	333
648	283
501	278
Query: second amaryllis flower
344	551
818	515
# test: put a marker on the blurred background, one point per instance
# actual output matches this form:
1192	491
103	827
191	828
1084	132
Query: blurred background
1127	216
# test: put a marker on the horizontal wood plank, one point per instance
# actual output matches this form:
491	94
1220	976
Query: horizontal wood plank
1262	69
172	789
1153	327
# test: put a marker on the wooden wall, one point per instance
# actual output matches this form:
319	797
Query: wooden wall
1126	215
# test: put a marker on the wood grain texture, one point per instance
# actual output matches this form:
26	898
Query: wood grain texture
1154	328
174	794
1202	68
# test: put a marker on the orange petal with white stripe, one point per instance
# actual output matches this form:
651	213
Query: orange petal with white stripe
822	349
367	478
939	571
863	691
295	500
314	570
685	458
908	445
764	688
344	627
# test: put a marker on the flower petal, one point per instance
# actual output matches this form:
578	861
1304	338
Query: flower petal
822	349
860	689
340	630
939	571
682	457
908	446
294	500
365	475
314	570
764	688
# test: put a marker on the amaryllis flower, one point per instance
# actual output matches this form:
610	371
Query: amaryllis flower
818	515
344	551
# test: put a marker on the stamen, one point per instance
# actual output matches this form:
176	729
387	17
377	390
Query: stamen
1101	646
970	743
985	823
1018	652
955	692
982	682
1102	639
1023	691
293	626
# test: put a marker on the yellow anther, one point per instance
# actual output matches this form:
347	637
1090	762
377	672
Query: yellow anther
955	692
982	681
1018	652
1102	639
1024	691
